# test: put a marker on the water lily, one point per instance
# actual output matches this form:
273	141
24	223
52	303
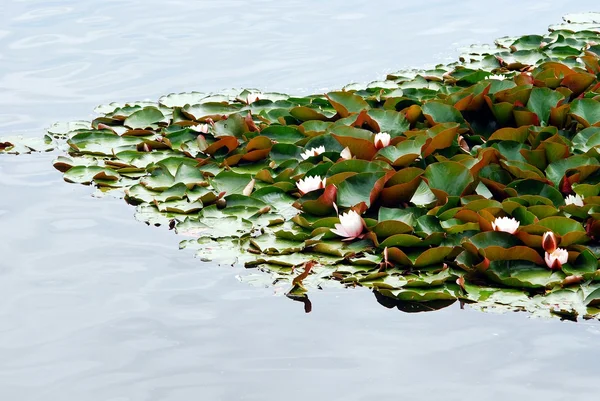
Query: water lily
309	184
313	152
382	140
557	258
549	242
252	97
506	224
497	76
202	128
345	154
574	200
351	225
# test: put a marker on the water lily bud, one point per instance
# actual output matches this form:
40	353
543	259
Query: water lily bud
574	279
461	282
309	184
463	144
351	225
506	224
549	242
248	189
574	200
345	154
264	210
556	259
385	263
382	140
313	152
250	123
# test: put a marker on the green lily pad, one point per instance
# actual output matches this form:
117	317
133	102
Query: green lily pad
346	103
87	174
144	118
437	175
524	274
586	111
416	294
542	100
359	188
441	113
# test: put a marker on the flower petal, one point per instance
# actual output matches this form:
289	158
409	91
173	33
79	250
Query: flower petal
506	224
339	230
549	242
382	140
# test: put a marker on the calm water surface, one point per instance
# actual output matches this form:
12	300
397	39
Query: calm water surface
97	306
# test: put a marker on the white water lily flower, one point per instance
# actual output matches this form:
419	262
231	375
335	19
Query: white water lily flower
202	128
506	224
574	200
309	184
252	97
350	226
556	259
345	154
497	76
382	140
313	152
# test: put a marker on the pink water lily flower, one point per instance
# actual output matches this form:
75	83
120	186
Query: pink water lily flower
506	224
313	152
309	184
350	227
345	154
382	140
556	259
574	200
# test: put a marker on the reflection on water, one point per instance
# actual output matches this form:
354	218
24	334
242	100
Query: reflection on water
96	306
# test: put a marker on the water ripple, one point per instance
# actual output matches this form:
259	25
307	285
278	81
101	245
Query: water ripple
43	13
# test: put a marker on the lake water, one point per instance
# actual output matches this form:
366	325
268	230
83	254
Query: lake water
97	306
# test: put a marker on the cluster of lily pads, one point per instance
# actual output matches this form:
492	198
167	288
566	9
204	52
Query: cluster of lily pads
477	181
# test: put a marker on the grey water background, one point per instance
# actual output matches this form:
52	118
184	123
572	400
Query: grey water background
97	306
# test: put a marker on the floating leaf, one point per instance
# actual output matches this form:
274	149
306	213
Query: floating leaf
144	118
441	113
346	103
437	175
359	188
87	174
541	101
518	273
586	111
